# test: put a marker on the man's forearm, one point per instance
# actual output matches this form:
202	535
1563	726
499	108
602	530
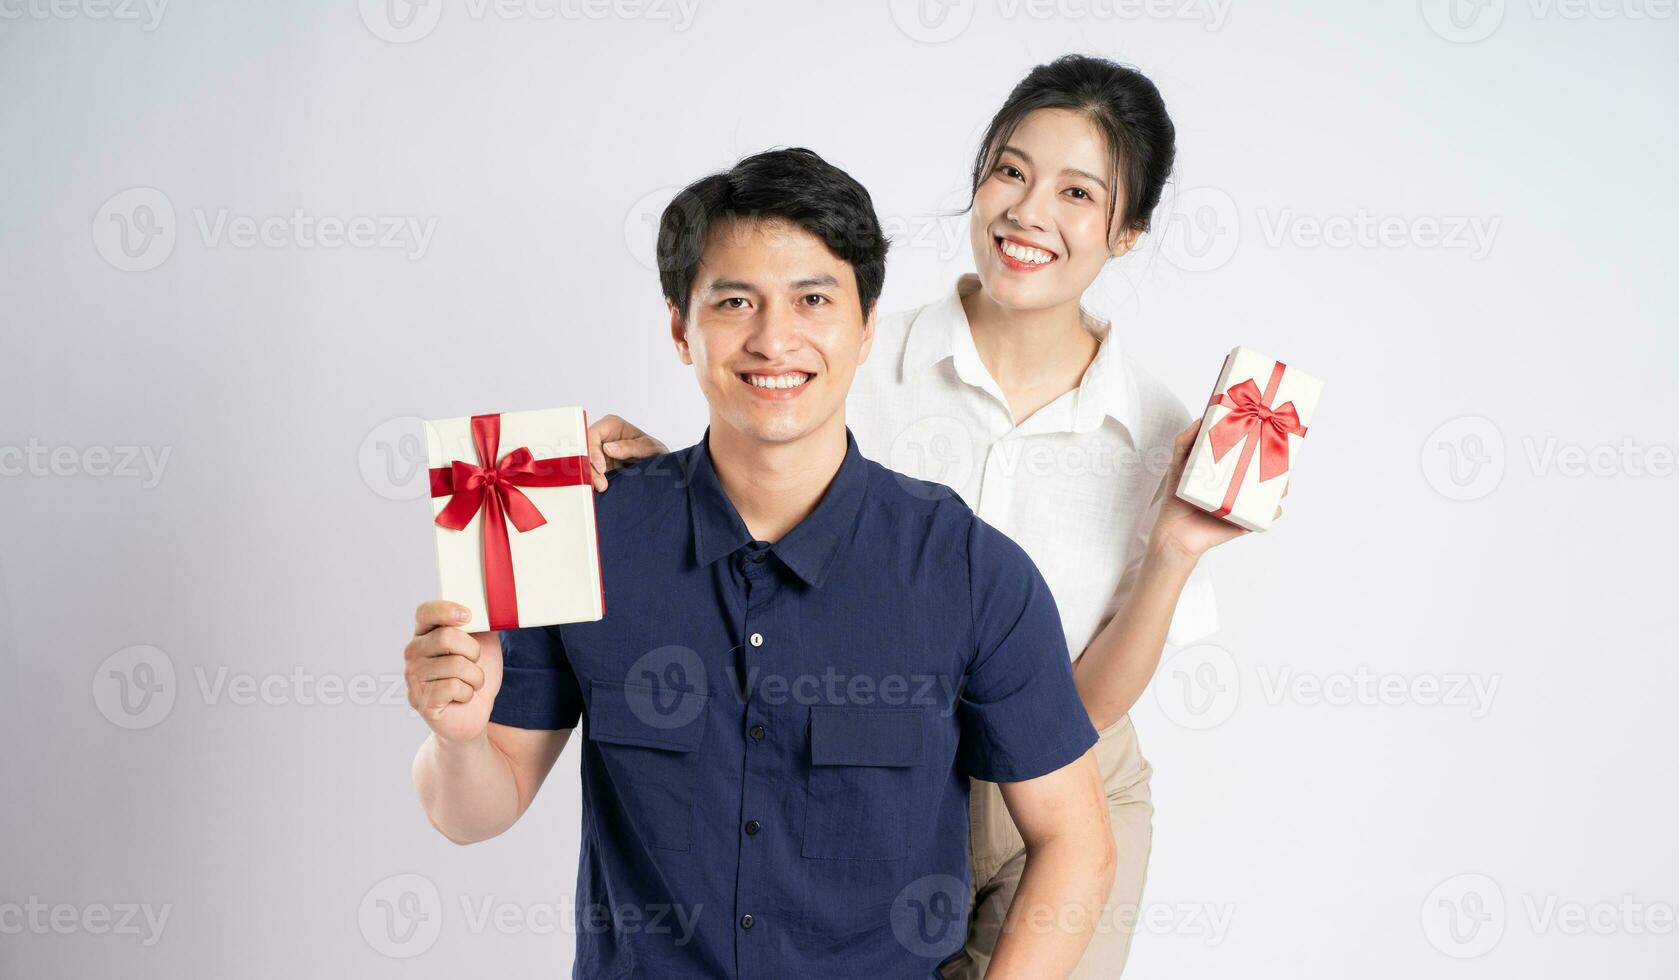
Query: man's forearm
1117	666
1063	890
468	788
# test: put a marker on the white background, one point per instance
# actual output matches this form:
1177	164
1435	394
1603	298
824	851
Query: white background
1483	499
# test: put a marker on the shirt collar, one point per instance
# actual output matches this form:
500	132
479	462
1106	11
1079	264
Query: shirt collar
809	548
940	331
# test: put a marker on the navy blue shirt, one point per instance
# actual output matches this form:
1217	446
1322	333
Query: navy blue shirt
777	737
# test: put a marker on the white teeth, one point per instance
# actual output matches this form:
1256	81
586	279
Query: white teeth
777	380
1025	253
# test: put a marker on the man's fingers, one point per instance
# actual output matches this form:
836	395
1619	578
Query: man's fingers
439	612
607	427
438	693
453	665
444	642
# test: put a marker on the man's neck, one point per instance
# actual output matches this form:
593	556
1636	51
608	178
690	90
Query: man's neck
775	485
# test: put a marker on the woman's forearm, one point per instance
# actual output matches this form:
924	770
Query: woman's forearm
1117	666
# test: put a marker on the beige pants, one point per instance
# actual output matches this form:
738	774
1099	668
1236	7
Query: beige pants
997	856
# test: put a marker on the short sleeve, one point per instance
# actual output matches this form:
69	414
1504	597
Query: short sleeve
538	688
1020	713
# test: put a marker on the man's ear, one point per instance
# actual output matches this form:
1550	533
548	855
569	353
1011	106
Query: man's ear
868	332
679	333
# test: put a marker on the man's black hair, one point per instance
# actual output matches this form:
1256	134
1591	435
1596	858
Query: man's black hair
793	185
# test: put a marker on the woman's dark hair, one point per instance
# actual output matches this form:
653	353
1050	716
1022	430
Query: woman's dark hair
794	185
1122	103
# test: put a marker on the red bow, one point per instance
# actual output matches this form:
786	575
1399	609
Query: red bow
494	488
1251	414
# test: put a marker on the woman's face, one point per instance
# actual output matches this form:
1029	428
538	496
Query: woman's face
1039	222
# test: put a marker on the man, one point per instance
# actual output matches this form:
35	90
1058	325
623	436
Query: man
805	655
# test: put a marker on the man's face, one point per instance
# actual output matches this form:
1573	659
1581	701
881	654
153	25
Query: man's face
775	329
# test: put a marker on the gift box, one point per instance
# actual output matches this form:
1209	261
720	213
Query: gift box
1250	436
513	509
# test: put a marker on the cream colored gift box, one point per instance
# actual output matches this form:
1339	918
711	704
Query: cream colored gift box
549	569
1250	439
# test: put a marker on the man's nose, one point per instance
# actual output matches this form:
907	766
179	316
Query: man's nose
775	332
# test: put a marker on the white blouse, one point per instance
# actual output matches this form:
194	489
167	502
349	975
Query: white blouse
1077	484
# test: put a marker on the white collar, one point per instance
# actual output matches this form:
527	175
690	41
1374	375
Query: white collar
940	330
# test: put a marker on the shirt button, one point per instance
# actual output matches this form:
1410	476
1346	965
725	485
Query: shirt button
756	639
757	733
746	921
753	826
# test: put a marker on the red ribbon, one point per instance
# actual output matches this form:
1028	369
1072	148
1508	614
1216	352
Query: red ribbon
1251	414
494	489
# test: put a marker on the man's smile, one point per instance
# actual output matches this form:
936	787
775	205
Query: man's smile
779	385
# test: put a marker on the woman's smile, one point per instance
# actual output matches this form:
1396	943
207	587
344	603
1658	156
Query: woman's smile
1020	255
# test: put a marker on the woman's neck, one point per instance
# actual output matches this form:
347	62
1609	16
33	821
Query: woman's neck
1034	355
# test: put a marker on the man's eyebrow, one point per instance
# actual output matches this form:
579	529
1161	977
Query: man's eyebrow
821	279
1017	151
730	285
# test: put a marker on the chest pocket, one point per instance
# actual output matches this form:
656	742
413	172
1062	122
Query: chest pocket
866	770
649	742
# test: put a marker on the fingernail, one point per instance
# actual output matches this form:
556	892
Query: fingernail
462	614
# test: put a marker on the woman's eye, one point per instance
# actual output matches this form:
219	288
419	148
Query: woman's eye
1009	171
1080	192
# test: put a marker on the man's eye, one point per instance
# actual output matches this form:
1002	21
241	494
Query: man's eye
733	303
815	299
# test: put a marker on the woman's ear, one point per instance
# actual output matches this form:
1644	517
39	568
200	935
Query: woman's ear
679	333
1127	241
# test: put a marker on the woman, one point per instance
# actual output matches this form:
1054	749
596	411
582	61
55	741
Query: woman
1010	393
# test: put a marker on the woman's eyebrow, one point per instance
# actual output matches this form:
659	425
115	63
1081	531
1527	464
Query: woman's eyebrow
1087	175
1022	154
